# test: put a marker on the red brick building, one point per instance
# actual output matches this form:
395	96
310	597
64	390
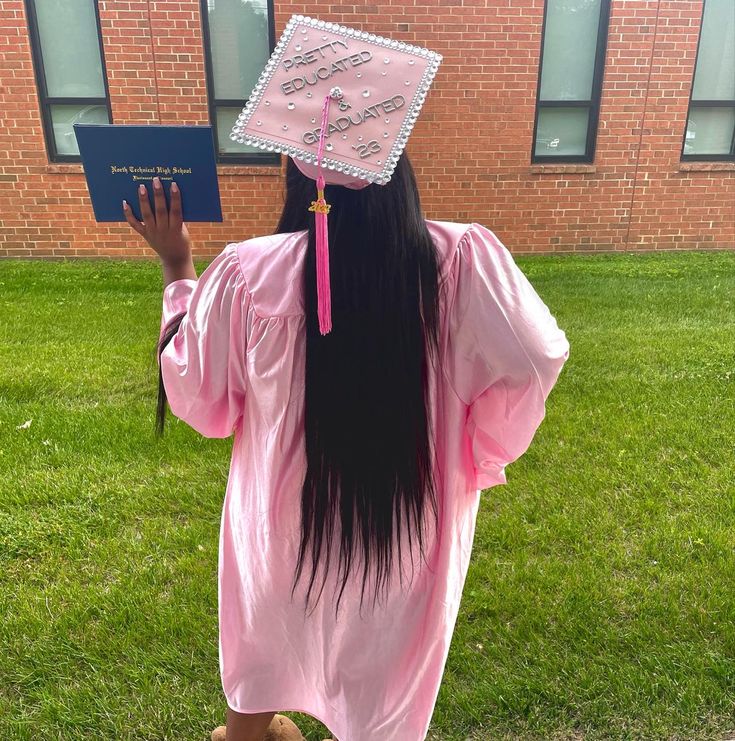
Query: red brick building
563	125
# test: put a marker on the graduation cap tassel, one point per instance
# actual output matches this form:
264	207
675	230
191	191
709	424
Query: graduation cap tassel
323	289
321	209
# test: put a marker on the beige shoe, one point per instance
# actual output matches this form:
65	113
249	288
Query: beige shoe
280	729
283	729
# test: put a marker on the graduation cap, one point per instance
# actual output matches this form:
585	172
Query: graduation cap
342	103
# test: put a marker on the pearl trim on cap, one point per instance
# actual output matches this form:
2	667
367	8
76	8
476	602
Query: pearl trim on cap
411	115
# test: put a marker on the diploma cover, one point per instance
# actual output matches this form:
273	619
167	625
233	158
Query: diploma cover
117	158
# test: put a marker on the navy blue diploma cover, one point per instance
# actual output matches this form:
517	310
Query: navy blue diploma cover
117	158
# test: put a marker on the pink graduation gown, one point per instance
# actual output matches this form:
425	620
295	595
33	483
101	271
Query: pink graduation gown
237	365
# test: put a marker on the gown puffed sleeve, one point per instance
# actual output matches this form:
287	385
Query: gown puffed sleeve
506	352
203	364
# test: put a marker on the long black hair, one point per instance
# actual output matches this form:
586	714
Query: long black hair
367	417
369	446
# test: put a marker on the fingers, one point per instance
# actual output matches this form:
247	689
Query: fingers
159	200
130	218
145	206
174	215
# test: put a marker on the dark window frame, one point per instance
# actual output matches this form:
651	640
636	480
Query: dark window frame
593	105
44	99
233	158
704	104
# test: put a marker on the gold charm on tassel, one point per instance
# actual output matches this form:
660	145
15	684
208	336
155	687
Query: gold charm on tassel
320	206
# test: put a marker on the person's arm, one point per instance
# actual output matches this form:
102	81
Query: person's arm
506	352
178	270
164	231
203	366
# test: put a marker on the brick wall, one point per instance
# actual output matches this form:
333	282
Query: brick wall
471	145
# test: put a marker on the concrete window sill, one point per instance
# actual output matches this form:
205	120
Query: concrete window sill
561	169
63	168
707	167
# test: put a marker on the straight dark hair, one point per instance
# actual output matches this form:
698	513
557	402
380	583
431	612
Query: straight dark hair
367	417
369	446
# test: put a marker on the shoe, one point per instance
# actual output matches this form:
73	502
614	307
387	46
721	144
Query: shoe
283	729
280	729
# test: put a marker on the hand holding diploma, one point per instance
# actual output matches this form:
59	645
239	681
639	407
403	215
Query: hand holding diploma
164	229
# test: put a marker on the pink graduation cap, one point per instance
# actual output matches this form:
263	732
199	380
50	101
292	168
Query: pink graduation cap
342	103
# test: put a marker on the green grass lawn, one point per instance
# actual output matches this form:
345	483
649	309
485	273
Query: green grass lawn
600	603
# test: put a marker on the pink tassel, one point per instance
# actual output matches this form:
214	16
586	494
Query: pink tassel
323	289
321	209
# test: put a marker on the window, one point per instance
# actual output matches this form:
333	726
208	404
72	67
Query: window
66	44
573	40
710	130
238	39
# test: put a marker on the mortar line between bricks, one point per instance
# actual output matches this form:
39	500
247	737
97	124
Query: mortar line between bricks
153	56
643	124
